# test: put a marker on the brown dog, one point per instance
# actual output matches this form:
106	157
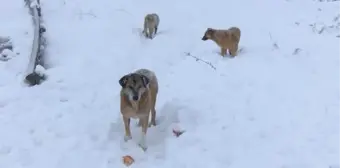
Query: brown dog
137	98
226	39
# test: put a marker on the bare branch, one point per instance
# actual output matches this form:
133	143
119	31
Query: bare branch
199	59
275	45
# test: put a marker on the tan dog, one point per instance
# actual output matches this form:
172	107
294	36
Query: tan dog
226	39
137	98
151	22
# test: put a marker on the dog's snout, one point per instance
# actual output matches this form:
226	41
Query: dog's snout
135	98
204	38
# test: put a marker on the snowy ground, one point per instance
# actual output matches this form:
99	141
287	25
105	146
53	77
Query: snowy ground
267	108
15	23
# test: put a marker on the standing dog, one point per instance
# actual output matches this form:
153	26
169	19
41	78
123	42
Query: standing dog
137	98
151	22
226	39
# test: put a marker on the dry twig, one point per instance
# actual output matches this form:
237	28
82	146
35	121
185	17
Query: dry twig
275	45
199	59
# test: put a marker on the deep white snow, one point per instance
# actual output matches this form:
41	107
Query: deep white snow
275	105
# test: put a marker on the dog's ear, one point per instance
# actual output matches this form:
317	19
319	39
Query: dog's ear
145	80
123	80
210	30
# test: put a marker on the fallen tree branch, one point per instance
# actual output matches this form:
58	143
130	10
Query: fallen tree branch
38	45
199	59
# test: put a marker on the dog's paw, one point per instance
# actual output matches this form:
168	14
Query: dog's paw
144	147
126	138
152	123
142	143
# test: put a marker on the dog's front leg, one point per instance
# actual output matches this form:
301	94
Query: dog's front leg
127	129
144	123
145	29
146	32
151	33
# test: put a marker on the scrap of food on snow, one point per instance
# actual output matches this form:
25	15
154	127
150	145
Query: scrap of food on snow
128	160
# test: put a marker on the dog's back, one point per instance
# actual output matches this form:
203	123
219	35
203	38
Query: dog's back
235	32
152	20
156	17
225	38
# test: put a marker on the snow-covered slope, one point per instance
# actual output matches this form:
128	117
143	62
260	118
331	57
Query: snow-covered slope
16	23
276	105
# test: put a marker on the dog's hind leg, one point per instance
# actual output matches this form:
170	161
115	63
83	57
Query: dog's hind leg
233	50
156	29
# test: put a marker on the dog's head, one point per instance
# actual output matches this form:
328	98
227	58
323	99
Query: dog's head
134	85
208	34
149	18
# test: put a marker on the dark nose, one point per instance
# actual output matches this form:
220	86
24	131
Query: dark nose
135	98
204	38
